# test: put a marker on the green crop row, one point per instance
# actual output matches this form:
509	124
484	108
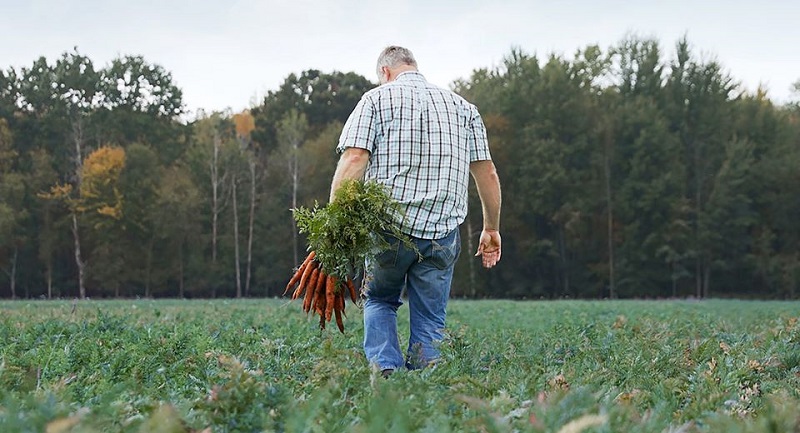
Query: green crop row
261	365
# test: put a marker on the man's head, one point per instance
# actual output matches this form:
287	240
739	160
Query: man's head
393	61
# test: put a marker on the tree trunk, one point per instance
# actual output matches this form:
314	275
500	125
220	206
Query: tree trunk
78	261
149	268
293	169
674	280
706	281
612	289
45	249
564	259
698	208
236	238
250	226
180	271
77	135
214	210
49	279
13	275
698	285
291	131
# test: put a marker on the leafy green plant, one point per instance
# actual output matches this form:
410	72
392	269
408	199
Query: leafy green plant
352	227
530	367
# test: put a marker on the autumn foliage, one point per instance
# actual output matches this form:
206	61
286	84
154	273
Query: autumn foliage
99	181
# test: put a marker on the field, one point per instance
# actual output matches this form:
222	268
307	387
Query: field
260	365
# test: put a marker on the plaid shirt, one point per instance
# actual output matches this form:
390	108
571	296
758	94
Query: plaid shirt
421	139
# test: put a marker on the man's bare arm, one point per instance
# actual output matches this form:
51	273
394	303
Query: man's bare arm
352	165
488	183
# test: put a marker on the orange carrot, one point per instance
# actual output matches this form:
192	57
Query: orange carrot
338	309
307	273
318	303
308	297
322	294
314	292
341	303
352	288
299	272
322	321
321	280
312	285
330	292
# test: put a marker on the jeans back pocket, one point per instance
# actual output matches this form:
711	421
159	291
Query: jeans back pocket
444	252
388	257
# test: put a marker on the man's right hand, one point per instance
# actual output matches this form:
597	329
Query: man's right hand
489	248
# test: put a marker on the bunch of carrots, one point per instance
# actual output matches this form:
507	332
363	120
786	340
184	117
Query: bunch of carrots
321	293
341	236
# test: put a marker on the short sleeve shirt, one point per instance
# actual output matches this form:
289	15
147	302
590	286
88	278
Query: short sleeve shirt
421	140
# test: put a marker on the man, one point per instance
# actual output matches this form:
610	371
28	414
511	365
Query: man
423	142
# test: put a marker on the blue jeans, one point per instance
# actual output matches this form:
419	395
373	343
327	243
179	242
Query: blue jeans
427	283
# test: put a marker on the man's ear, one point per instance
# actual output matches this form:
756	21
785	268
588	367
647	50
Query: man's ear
385	74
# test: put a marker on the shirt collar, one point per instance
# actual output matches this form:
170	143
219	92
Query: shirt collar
410	75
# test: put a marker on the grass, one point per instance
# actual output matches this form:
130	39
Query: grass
260	365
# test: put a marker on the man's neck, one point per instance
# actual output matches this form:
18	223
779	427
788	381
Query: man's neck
394	72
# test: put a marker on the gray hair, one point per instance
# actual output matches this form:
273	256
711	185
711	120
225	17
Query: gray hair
394	56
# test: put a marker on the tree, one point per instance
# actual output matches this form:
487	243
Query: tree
505	98
629	175
772	185
100	193
636	67
8	93
60	98
292	130
42	176
699	111
317	163
12	211
213	146
101	201
649	188
177	221
796	93
140	104
206	144
726	223
321	97
557	137
138	182
245	124
234	166
642	170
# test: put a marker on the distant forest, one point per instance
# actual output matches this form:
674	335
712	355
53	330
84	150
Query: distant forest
626	173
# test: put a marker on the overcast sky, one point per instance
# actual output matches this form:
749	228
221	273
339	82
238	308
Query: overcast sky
229	53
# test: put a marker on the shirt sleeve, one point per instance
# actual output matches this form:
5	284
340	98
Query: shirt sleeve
360	129
478	142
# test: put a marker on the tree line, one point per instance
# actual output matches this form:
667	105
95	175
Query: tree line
625	172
